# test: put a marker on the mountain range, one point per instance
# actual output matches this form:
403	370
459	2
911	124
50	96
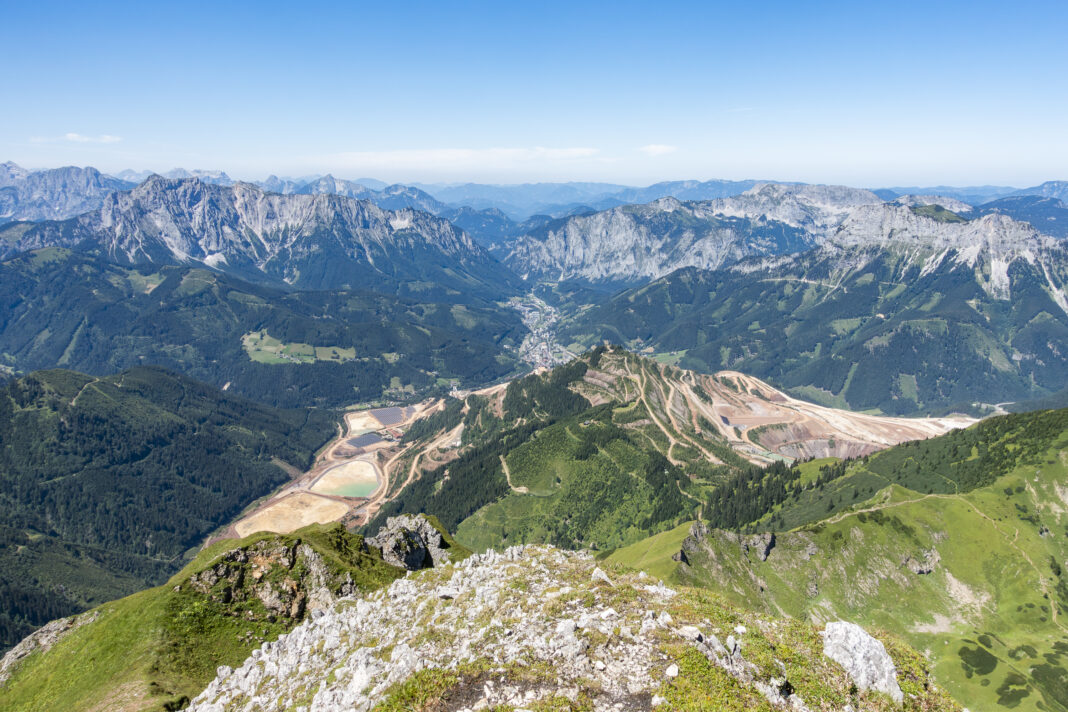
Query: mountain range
731	424
305	241
921	324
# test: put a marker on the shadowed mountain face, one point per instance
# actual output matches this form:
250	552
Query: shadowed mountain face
303	241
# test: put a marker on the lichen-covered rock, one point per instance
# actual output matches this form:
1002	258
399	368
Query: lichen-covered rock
863	657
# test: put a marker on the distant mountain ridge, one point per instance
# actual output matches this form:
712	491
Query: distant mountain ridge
632	243
306	241
52	194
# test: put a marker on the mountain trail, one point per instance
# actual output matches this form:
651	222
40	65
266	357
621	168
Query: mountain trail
74	400
508	477
1043	584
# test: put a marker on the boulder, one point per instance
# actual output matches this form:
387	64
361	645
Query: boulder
411	542
863	657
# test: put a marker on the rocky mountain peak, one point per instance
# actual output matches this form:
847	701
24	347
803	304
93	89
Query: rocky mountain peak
946	202
56	193
11	172
817	208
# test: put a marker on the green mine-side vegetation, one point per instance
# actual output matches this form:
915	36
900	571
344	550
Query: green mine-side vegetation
957	543
550	469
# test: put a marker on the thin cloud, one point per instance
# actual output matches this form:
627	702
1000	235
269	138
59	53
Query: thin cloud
462	157
658	149
77	138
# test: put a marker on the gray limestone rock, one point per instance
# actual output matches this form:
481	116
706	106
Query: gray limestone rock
411	542
863	657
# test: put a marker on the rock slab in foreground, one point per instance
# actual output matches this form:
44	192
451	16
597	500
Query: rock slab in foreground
863	657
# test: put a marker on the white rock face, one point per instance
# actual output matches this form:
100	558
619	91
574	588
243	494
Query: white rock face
863	657
637	242
770	223
816	208
244	228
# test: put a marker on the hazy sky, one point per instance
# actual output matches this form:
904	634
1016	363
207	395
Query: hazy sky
861	93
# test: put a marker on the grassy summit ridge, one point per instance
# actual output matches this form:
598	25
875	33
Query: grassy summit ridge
960	549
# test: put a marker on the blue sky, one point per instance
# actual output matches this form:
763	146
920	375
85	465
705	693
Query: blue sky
859	93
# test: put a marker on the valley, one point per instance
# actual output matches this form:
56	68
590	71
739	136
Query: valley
347	481
540	348
796	371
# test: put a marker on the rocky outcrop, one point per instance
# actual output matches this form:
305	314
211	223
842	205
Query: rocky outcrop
923	565
863	657
751	546
535	628
287	578
41	640
411	542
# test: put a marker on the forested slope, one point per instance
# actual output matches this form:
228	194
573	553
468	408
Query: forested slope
290	349
107	483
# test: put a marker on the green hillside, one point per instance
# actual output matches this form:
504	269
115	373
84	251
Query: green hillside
158	648
541	463
71	310
961	549
107	483
885	335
